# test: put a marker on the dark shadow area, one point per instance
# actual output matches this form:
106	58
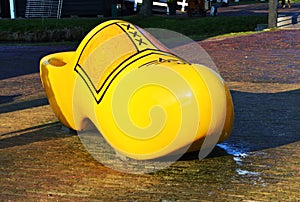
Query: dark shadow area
262	121
42	133
216	152
6	99
265	120
23	105
17	60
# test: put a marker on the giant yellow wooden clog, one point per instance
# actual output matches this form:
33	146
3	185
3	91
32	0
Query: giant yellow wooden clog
145	101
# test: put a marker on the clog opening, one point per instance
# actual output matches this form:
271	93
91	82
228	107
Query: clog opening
56	62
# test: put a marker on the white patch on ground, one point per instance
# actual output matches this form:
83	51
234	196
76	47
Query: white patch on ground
238	155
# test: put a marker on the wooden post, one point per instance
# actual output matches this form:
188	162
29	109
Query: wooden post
272	20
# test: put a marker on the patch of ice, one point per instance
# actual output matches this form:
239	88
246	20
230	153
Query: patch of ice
246	172
238	154
232	150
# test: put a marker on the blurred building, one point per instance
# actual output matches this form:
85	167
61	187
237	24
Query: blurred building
80	8
55	8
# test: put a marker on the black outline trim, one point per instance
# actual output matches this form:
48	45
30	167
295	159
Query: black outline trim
128	26
91	39
111	77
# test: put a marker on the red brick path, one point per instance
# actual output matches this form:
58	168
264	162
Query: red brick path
265	57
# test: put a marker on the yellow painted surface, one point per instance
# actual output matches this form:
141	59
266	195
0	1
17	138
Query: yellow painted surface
144	100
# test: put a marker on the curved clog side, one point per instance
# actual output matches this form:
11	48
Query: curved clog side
58	80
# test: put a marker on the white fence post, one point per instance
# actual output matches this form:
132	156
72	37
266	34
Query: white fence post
12	9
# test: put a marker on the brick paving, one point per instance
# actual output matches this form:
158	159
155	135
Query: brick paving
270	57
260	161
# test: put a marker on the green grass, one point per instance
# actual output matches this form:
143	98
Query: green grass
33	25
74	29
198	28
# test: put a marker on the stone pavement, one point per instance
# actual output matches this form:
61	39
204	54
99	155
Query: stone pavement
260	161
284	14
255	9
